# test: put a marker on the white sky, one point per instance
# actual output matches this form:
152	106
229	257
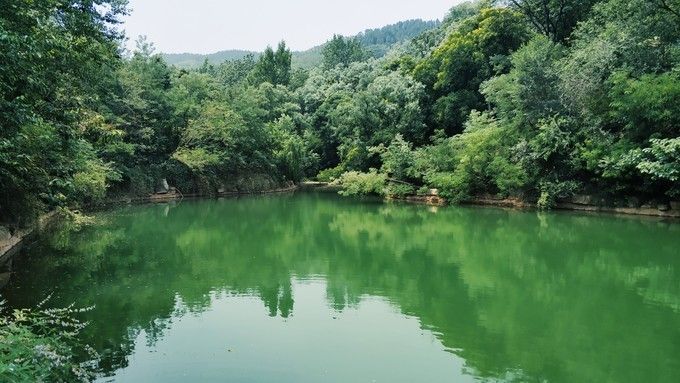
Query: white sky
207	26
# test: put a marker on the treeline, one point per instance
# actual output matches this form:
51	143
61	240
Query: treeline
534	99
494	100
379	41
395	33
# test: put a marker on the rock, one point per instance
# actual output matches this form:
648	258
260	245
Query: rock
633	202
5	234
4	279
675	205
664	207
582	199
162	187
433	192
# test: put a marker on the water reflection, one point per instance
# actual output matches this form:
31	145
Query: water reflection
517	296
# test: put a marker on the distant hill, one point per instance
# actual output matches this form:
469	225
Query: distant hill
192	60
377	41
394	33
309	58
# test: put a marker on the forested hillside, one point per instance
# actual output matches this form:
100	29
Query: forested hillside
194	60
583	99
395	33
376	41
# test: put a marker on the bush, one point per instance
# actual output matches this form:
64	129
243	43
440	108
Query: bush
41	345
357	183
552	191
330	175
477	161
400	190
452	186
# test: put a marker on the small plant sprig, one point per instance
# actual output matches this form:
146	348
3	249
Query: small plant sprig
42	345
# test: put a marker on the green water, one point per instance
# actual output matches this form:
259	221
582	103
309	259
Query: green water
314	288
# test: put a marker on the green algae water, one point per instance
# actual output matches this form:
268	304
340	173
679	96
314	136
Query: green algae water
314	288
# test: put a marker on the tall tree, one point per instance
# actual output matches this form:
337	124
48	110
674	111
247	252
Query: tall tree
57	58
474	52
273	67
554	18
342	51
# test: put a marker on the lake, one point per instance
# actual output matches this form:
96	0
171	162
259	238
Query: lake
310	287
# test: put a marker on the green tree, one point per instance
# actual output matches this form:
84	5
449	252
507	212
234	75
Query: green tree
555	19
531	90
475	51
58	60
273	67
342	51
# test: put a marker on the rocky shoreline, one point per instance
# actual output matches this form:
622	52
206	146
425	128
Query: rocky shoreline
582	203
585	204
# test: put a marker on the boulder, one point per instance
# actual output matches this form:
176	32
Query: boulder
583	199
5	234
4	279
633	202
162	187
664	207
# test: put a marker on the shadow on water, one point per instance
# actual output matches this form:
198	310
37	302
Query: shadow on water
520	296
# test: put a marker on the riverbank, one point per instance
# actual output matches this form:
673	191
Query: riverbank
577	203
176	195
585	204
10	242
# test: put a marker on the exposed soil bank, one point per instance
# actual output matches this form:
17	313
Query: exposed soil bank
174	195
583	203
320	186
643	210
11	242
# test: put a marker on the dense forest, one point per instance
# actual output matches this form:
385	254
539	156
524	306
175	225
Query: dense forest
535	99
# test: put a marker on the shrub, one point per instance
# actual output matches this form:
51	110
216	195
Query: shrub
552	191
41	345
400	190
330	175
357	183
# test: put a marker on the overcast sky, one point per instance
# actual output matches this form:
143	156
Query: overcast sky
207	26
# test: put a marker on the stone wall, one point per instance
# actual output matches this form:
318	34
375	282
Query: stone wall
12	239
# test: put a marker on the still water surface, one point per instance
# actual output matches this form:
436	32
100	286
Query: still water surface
314	288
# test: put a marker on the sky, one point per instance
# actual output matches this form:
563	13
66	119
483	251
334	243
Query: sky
208	26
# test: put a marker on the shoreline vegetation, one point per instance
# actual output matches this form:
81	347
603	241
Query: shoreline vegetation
490	101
